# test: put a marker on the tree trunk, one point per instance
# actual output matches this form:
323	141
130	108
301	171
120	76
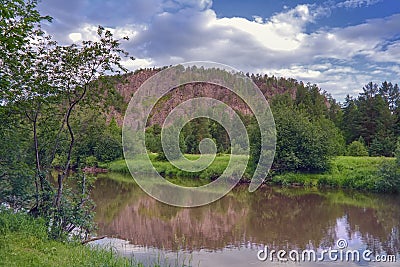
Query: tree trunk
38	181
71	145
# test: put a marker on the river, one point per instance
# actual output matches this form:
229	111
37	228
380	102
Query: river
231	231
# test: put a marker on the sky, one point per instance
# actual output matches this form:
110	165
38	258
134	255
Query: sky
339	45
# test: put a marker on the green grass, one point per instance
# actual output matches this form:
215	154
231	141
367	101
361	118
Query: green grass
24	242
345	172
348	172
175	175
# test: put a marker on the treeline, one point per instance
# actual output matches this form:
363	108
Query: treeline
371	121
307	135
311	125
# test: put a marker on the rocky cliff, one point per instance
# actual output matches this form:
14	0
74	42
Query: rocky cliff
269	86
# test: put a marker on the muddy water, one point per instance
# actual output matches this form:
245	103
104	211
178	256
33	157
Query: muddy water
232	230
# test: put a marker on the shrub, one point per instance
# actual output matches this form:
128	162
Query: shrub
108	148
389	175
91	161
357	149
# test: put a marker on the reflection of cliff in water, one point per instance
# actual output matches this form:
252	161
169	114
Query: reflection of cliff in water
281	218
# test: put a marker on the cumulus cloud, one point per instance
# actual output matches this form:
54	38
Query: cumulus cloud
170	31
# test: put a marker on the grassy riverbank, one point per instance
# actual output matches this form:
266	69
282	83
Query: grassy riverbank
24	242
359	173
171	172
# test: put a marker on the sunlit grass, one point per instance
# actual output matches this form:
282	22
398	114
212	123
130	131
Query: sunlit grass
345	172
175	175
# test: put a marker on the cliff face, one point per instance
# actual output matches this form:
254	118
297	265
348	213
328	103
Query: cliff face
269	86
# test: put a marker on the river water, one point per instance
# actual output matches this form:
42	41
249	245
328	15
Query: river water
231	231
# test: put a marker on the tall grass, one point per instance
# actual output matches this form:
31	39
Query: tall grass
169	171
24	242
359	173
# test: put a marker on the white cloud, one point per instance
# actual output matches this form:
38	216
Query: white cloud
188	30
299	72
75	36
138	63
258	19
391	53
357	3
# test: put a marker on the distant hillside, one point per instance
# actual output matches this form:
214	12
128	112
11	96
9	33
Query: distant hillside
269	86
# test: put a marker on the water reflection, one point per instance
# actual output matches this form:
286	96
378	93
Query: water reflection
280	218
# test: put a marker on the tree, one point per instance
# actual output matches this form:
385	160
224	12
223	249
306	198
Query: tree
19	23
78	68
302	144
153	138
373	115
24	62
357	149
42	84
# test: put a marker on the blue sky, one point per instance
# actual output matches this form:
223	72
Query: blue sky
338	44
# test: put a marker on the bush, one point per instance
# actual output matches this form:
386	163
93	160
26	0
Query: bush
302	144
389	175
108	148
382	146
161	156
388	178
357	149
91	161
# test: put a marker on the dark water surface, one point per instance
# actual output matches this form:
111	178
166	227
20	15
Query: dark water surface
231	231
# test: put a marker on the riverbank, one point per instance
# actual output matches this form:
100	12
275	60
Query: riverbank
166	169
360	173
24	242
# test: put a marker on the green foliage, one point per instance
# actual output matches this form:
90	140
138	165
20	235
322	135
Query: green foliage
388	178
307	137
382	146
301	144
360	173
19	24
161	156
153	138
254	134
389	174
91	161
108	148
75	212
357	149
94	137
373	115
166	169
43	84
16	188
